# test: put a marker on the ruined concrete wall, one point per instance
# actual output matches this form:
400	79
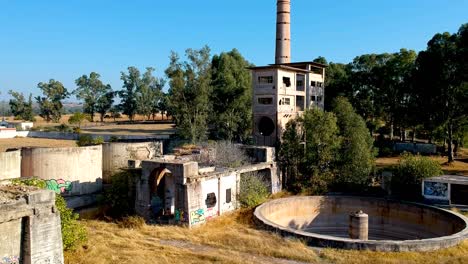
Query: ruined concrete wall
68	171
31	231
10	165
115	155
211	197
150	171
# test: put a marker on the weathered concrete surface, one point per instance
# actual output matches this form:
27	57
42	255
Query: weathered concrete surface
10	165
30	226
393	226
191	195
115	155
67	171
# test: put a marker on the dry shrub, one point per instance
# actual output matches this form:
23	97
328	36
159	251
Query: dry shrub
131	222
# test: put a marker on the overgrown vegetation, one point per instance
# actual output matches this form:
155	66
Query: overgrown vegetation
88	140
78	118
409	173
118	196
324	150
73	232
253	190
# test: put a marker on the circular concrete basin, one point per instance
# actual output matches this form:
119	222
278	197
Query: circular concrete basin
393	226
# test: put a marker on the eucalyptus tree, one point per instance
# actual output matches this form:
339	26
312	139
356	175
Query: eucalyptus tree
94	93
50	104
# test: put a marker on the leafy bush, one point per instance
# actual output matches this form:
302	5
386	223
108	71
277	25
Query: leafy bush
73	233
409	173
253	190
118	196
87	140
60	128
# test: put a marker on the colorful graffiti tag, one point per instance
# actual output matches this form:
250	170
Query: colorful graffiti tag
197	216
210	213
10	260
59	186
180	216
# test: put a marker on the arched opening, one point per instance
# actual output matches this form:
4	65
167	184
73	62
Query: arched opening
162	194
266	126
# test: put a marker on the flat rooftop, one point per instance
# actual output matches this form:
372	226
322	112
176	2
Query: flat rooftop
463	180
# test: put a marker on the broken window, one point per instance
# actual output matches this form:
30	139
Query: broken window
265	100
287	81
265	79
228	195
285	101
210	200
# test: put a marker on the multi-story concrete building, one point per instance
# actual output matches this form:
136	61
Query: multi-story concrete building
282	91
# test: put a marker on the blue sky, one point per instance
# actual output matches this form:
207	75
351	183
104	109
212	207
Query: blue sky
40	40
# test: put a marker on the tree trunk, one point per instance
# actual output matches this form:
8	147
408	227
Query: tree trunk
414	135
455	149
102	118
391	130
450	141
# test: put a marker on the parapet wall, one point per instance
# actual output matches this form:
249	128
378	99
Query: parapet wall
30	226
115	155
10	165
67	171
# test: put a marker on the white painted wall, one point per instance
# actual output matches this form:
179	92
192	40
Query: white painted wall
10	165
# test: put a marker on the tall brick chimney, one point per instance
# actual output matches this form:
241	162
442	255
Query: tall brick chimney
283	32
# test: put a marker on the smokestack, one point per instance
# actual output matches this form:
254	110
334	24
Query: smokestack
283	32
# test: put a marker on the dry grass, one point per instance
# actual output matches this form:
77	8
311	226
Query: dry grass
34	142
458	167
133	129
457	254
227	239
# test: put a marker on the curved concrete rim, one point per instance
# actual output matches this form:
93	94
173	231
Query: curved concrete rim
314	239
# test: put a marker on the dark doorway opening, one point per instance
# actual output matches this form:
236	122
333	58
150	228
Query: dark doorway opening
459	194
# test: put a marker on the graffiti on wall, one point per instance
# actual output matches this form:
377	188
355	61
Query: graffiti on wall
210	213
437	189
59	186
10	260
180	216
197	216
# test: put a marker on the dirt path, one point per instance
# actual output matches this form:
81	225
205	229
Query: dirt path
245	256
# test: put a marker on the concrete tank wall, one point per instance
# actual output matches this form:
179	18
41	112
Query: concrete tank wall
393	226
10	165
68	171
115	155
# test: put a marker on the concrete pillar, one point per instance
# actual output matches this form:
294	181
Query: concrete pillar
358	226
283	32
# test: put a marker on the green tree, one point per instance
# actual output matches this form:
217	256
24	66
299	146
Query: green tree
355	159
78	118
149	93
291	153
128	97
20	108
190	86
231	96
309	151
92	91
50	105
104	103
443	82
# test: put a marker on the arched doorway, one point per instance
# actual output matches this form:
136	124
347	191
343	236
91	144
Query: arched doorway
162	194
